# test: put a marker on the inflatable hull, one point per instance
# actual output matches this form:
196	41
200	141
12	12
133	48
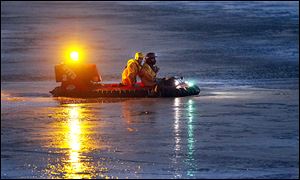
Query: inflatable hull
113	90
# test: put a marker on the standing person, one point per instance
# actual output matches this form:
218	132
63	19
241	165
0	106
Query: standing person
132	69
149	70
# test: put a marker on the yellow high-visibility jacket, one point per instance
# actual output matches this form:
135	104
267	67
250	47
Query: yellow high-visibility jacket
147	75
130	72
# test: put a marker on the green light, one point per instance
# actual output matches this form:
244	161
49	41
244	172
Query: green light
189	83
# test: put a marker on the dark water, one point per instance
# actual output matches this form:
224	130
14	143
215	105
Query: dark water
243	55
208	40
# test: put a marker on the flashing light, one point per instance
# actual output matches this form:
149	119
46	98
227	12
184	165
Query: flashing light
74	55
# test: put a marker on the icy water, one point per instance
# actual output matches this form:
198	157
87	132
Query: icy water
243	55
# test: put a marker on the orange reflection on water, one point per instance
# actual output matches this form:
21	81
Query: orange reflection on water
74	140
71	136
128	115
8	97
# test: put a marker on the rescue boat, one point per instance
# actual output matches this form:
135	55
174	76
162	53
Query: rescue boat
117	90
84	81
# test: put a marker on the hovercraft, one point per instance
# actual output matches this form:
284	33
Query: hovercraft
83	81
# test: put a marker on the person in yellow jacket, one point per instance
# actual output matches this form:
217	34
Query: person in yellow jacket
132	69
149	70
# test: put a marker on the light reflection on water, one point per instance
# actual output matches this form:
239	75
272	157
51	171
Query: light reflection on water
75	138
72	130
176	124
182	111
71	137
191	139
177	148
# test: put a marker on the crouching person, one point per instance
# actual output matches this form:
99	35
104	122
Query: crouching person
132	70
149	71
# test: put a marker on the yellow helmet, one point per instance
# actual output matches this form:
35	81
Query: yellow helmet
138	55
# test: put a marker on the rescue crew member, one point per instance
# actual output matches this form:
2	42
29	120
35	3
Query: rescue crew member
149	70
132	70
